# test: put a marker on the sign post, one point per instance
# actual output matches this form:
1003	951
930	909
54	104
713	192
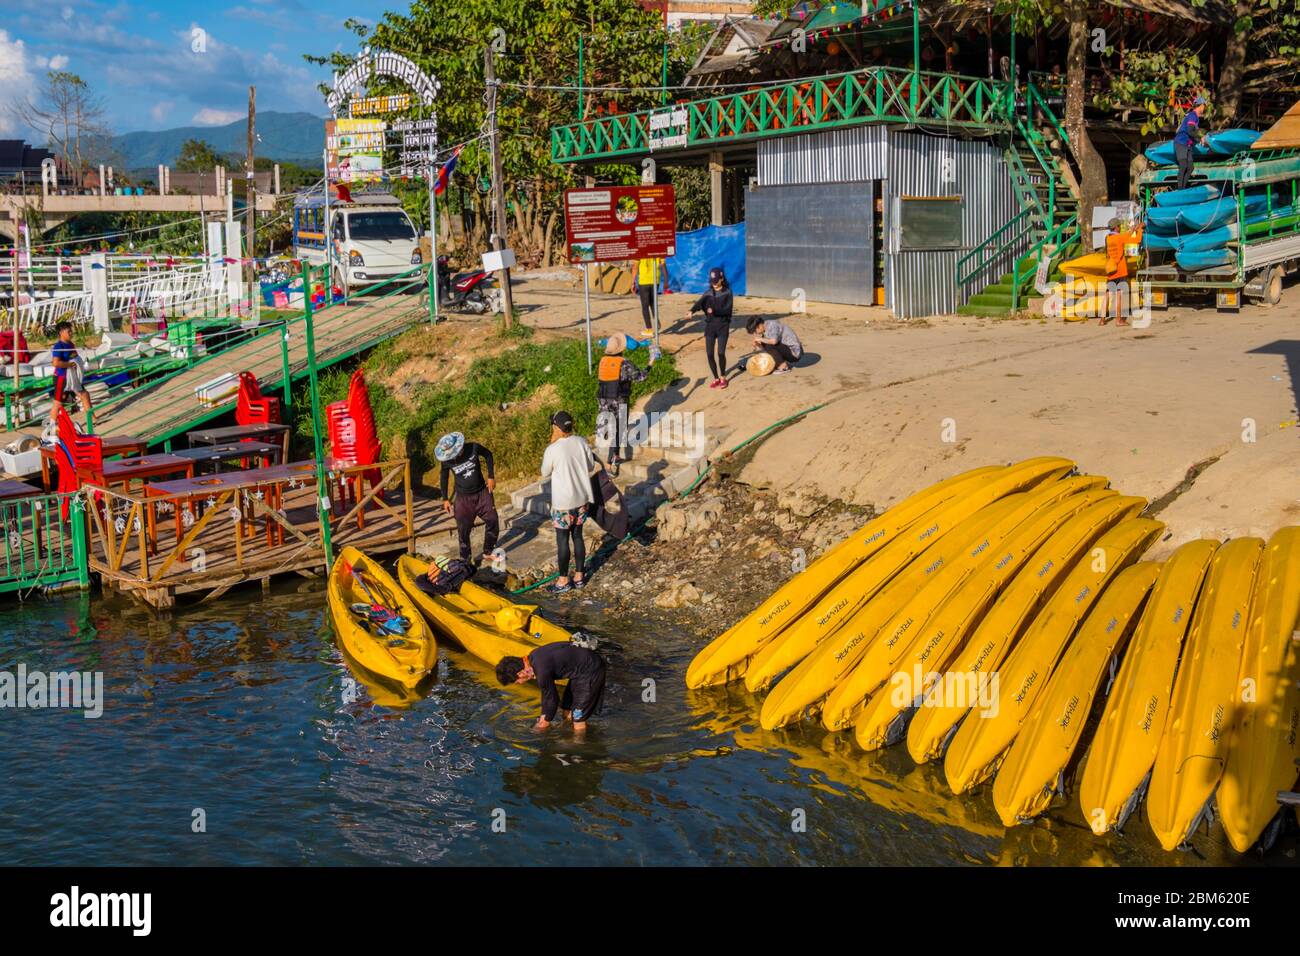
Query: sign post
617	224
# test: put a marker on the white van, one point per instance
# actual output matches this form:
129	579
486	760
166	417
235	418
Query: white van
373	238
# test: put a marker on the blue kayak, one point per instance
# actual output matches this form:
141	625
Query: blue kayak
1229	142
1201	216
1162	154
1158	242
1185	197
1205	259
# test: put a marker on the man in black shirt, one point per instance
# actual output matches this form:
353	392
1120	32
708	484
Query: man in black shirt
461	460
584	669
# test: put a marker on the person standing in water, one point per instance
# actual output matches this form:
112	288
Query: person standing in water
584	670
717	305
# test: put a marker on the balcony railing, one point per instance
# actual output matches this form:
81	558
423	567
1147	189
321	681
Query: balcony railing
874	95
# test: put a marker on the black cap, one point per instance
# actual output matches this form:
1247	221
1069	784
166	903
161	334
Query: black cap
717	275
563	421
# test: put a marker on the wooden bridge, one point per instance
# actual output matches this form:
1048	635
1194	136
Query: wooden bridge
170	407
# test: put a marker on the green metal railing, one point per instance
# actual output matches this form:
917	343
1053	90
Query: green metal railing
1061	236
273	337
989	251
874	95
41	547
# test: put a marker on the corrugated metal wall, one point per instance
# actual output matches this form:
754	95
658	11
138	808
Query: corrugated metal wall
922	283
917	283
816	238
851	155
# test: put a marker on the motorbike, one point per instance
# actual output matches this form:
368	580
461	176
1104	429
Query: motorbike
470	292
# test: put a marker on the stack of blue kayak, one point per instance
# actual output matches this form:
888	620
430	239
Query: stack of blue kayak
1215	146
1198	222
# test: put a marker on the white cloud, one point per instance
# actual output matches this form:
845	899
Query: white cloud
160	110
212	117
16	83
58	62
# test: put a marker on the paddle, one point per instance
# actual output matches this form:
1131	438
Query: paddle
381	615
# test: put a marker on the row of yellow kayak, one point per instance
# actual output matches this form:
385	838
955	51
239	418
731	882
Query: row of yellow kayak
401	645
986	621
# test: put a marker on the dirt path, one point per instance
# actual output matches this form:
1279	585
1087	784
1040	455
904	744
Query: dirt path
909	403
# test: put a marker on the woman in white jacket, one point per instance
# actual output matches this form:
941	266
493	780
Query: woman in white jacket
568	462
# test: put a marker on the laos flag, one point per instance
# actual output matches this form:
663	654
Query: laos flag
445	171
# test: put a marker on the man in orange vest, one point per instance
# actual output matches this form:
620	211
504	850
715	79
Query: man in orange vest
1117	290
615	376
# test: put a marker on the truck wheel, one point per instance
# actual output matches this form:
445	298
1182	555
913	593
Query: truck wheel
1273	287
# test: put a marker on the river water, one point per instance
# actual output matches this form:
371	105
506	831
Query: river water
243	717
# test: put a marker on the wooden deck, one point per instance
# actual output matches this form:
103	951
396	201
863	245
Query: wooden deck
237	537
169	408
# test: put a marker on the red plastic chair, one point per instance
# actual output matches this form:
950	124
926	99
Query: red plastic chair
251	407
86	451
354	441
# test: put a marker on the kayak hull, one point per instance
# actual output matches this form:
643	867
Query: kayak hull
407	658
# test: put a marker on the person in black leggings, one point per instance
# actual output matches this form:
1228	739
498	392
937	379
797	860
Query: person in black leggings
716	304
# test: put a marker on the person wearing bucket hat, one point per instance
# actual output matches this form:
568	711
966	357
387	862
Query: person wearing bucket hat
470	465
717	305
615	376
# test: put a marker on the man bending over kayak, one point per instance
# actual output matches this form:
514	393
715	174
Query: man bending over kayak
584	669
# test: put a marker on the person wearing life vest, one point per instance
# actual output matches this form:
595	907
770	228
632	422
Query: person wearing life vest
1117	288
615	376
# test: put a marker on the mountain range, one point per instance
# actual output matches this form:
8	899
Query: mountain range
286	137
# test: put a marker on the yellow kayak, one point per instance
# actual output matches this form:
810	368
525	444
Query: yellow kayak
804	687
1265	744
1128	735
1207	697
997	633
727	656
919	669
911	617
485	624
357	582
1027	779
980	742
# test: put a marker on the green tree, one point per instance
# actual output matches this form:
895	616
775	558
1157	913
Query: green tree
1262	54
198	156
623	51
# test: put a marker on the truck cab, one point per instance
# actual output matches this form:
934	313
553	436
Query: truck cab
372	237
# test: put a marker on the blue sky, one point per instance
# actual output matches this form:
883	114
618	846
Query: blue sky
164	63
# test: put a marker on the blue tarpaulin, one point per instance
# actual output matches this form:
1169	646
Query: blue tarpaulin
702	250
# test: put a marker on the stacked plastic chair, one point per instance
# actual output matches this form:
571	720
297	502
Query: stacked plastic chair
81	458
251	408
354	440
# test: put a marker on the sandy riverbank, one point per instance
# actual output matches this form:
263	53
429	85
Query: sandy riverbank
908	403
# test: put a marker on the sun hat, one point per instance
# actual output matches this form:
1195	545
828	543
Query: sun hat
1114	224
760	364
616	344
449	447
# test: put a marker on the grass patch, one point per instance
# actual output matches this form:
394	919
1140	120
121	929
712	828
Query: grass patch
504	401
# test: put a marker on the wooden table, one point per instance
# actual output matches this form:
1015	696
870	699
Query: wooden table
215	455
210	485
9	490
222	436
114	446
123	471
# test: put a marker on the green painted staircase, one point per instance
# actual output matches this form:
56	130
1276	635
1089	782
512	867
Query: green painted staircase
1049	206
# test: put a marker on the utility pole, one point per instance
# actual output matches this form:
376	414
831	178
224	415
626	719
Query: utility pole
498	188
250	193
